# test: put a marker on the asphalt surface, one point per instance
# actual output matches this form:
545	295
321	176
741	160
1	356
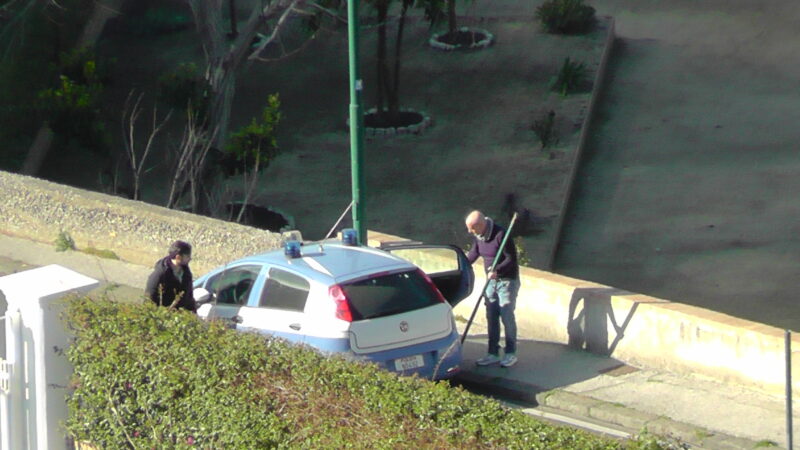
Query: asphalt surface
550	380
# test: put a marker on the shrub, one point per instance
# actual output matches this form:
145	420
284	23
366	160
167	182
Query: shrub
522	255
158	19
565	16
82	66
72	107
183	87
64	242
544	127
256	142
148	377
569	78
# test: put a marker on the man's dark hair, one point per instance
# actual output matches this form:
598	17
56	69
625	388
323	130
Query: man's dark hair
180	248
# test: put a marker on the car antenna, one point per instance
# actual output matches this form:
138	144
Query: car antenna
338	221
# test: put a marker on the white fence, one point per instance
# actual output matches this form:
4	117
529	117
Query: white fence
34	371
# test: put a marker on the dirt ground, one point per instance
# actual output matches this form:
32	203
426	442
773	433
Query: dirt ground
479	151
689	188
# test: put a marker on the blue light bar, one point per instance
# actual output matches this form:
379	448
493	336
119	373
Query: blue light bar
349	236
292	249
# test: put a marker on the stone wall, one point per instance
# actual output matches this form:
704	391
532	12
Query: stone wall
137	232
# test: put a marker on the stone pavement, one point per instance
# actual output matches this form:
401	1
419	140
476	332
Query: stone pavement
556	379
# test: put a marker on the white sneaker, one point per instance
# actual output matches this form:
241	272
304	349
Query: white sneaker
488	360
509	360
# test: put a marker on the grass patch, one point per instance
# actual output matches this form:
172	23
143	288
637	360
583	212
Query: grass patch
100	253
702	434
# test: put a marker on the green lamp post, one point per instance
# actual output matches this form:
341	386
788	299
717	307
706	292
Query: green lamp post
356	125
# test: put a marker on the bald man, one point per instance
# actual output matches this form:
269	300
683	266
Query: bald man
502	288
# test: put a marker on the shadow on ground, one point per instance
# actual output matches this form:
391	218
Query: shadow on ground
542	366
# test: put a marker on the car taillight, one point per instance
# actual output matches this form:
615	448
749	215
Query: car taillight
433	286
338	296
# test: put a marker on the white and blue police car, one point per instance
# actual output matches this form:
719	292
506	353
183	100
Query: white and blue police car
373	304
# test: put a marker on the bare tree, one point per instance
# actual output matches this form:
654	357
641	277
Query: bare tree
225	56
220	198
136	157
190	160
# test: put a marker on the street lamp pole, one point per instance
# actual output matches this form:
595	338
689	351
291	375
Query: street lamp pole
356	124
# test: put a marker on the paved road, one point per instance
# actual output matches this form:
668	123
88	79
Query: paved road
688	190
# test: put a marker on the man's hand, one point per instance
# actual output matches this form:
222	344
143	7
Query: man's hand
492	275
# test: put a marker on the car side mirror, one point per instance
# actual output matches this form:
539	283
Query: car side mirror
202	296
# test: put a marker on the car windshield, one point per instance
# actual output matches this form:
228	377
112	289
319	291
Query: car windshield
389	294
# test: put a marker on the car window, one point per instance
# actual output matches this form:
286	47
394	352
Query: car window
431	260
389	294
284	290
232	286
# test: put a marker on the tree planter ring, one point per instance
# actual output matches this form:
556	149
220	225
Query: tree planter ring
486	40
390	131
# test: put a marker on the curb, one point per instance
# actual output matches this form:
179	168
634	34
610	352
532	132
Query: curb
484	43
597	89
568	403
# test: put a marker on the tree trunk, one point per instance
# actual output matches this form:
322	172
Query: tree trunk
451	17
223	90
250	187
394	93
382	74
232	13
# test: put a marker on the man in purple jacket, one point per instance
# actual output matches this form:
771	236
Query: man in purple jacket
502	288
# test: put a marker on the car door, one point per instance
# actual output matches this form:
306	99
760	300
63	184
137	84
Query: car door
277	309
447	265
231	290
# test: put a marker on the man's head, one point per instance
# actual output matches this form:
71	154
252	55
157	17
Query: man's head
180	253
476	223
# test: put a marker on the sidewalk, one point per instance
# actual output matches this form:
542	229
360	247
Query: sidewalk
702	412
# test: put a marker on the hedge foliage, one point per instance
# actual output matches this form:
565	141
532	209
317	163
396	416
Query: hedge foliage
147	377
565	16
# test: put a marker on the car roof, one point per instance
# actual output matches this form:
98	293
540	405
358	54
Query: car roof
331	261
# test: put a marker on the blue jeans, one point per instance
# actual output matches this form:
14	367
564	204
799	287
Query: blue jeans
501	299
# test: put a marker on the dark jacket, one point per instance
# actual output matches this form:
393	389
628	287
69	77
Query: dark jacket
163	286
487	247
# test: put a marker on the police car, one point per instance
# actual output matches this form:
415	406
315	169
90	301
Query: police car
373	304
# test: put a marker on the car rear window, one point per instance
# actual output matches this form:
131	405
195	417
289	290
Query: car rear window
386	295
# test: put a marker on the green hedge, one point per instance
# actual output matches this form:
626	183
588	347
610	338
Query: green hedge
146	377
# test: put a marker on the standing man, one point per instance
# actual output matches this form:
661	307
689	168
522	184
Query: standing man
502	288
170	284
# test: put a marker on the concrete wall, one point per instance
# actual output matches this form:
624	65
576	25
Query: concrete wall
137	232
642	331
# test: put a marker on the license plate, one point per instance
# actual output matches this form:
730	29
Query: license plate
409	362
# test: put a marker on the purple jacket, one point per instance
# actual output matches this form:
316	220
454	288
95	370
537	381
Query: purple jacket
486	247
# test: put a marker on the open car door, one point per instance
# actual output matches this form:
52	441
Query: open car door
447	266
